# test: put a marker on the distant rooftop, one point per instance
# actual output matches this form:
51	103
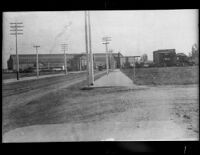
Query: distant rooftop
114	54
164	50
181	54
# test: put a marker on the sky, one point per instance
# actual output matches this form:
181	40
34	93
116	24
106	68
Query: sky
133	33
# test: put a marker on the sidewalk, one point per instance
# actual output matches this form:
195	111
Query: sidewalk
114	78
35	77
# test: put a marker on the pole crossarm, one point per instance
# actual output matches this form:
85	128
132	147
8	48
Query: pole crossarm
105	43
16	26
36	46
16	33
64	45
16	30
106	38
17	23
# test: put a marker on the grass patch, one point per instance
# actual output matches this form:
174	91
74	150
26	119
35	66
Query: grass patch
164	75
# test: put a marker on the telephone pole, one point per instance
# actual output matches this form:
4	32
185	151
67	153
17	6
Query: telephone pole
110	54
86	47
106	42
37	66
80	64
134	71
89	54
16	29
64	48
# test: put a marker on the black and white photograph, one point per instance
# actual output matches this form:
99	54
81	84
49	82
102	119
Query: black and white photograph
100	75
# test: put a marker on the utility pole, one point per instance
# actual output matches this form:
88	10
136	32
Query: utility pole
89	54
86	47
134	72
16	28
37	65
110	54
64	48
80	64
106	42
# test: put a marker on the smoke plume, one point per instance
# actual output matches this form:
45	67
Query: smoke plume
64	30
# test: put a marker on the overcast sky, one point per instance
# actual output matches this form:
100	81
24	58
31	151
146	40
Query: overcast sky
132	32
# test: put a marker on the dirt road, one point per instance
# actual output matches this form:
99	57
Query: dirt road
18	94
120	113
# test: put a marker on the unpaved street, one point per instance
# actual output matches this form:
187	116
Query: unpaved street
36	89
143	113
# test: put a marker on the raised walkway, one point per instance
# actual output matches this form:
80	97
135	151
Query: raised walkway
114	78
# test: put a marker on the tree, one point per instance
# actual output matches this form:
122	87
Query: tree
195	50
144	58
195	54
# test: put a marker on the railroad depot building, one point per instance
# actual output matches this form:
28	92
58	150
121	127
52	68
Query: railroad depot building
47	61
113	60
75	62
165	57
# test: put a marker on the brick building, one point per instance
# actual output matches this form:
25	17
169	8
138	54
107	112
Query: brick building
46	61
165	57
75	62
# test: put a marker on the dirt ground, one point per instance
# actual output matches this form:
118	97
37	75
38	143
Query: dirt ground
66	112
116	113
33	90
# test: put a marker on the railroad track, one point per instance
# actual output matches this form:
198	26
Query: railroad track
25	86
18	88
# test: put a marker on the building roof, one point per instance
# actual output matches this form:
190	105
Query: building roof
131	56
43	58
116	54
181	54
113	54
165	51
54	58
